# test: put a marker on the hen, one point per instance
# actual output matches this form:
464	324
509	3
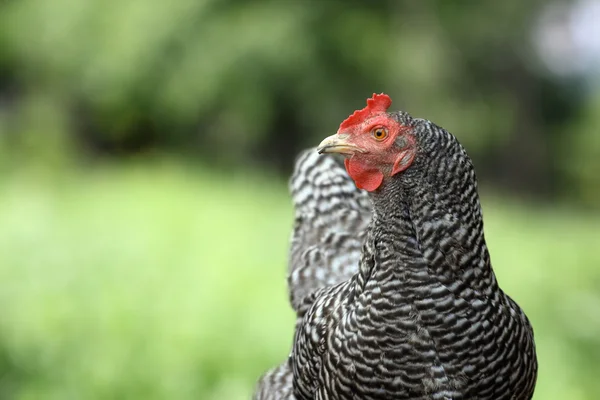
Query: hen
423	316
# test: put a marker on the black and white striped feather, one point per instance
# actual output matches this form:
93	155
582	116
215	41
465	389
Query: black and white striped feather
331	217
423	318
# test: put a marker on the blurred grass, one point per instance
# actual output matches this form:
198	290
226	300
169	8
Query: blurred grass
164	282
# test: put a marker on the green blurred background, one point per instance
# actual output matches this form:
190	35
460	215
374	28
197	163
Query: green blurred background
144	152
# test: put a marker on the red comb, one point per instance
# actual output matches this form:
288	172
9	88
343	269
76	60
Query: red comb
377	104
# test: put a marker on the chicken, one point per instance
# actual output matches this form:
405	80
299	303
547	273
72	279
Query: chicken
423	317
331	218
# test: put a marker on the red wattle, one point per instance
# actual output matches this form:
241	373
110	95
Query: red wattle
365	177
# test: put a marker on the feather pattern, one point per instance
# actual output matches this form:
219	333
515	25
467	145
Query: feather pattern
331	217
422	317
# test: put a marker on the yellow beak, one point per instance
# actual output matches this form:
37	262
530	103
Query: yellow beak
338	143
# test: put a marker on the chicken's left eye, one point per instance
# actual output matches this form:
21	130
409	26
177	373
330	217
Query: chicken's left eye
380	133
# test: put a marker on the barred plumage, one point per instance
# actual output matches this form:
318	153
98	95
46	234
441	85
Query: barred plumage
331	217
423	317
276	384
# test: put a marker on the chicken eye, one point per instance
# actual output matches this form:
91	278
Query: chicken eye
380	133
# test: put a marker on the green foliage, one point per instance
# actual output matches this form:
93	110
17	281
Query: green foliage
136	284
581	157
238	82
158	281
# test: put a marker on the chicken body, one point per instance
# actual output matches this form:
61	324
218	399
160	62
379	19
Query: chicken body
330	226
422	317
